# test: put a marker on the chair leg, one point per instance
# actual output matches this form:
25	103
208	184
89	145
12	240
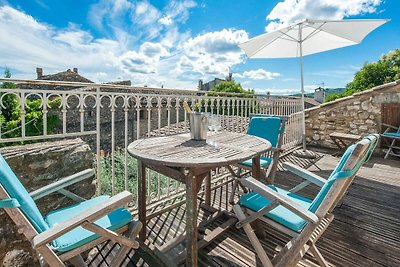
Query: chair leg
133	231
234	187
48	257
266	262
78	261
232	196
317	254
390	149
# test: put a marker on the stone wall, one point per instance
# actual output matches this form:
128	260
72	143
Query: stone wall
37	165
358	114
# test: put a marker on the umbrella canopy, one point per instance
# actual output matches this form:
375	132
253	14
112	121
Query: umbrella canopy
309	37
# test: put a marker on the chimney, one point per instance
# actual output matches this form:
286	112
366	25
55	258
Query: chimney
39	72
76	70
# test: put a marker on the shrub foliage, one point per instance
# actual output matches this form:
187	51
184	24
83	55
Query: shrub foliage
386	69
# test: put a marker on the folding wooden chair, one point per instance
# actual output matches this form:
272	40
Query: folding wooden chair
63	234
305	220
394	137
271	128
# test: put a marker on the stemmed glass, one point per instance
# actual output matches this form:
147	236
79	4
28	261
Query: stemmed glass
214	124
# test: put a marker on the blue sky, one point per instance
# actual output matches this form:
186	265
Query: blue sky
176	43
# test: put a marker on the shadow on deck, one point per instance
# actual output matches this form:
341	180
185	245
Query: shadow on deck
365	232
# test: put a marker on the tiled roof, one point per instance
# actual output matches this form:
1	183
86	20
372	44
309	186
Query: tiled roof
66	76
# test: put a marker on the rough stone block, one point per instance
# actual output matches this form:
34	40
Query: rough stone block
353	107
365	105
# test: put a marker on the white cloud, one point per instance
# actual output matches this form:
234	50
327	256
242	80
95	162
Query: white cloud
179	10
258	74
9	14
290	11
145	61
214	53
144	13
166	20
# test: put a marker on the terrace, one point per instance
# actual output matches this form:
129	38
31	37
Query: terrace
110	117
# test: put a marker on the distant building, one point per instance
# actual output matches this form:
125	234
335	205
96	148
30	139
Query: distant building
65	76
209	85
320	94
310	102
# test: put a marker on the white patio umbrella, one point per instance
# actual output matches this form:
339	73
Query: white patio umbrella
309	37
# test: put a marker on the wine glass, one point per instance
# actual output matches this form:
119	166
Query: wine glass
217	123
211	123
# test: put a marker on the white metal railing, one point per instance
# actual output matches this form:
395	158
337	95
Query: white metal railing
109	117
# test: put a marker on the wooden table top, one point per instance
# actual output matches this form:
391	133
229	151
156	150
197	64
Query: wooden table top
180	151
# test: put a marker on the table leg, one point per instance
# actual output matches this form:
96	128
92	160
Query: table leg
256	168
142	198
208	190
191	221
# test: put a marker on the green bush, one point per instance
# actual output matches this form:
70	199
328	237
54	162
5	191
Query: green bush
386	69
10	116
154	181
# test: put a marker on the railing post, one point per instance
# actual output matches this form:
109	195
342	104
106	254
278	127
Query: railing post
98	162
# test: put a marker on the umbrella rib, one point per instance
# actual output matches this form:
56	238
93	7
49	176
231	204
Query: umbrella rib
290	37
262	47
317	30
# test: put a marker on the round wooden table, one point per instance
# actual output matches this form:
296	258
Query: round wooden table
190	161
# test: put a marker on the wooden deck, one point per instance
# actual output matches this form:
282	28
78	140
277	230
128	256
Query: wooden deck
365	232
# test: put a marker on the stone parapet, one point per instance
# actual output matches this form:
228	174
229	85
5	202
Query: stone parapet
358	114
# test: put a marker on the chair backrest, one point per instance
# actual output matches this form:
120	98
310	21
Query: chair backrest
17	191
347	167
270	128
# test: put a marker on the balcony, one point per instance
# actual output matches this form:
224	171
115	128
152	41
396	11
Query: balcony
109	117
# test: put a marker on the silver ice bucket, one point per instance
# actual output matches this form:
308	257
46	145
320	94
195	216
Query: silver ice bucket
198	125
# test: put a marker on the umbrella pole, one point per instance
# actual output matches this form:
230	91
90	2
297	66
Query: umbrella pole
303	116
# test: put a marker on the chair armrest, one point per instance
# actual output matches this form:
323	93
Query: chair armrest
89	215
307	175
390	126
272	195
64	182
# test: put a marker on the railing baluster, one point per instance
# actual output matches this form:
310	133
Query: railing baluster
98	151
149	106
22	112
44	110
126	109
112	109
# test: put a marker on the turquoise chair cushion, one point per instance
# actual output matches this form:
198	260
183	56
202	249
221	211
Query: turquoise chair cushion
391	134
279	214
79	236
264	162
17	191
268	128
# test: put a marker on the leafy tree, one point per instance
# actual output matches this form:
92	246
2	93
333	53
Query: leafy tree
10	115
231	87
386	69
